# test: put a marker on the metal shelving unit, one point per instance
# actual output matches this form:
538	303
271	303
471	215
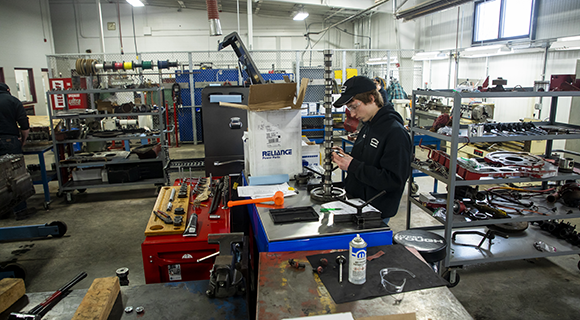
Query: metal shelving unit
66	185
517	246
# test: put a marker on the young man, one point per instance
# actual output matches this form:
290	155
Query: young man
381	155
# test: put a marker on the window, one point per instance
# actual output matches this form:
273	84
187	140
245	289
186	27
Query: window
496	20
25	89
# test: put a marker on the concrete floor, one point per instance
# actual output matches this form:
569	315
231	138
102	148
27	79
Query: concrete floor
105	231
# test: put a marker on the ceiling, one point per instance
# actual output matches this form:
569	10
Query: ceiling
265	8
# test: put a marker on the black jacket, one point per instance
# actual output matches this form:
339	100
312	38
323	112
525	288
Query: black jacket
381	161
12	112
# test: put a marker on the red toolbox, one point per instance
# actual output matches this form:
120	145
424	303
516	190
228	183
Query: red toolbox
168	258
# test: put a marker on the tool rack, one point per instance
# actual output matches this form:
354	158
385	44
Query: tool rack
64	148
517	246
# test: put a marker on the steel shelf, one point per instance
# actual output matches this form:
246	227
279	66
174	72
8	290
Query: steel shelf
516	247
105	115
75	185
110	90
116	138
67	116
114	161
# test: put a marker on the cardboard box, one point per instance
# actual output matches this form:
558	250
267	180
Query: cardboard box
272	144
310	152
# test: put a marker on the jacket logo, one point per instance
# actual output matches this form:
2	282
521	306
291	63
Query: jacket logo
374	143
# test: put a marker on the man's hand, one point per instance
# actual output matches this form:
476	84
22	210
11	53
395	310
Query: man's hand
341	159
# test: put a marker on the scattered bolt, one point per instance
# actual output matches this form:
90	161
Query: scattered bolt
340	260
139	309
128	309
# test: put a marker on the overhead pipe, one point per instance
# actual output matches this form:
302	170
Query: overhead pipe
215	28
349	18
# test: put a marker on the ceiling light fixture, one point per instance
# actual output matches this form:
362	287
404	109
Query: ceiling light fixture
136	3
430	55
567	43
181	4
301	15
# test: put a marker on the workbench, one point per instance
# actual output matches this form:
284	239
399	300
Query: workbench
170	258
285	292
180	300
318	235
45	176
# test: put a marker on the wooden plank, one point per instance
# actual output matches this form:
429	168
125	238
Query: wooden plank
11	289
99	300
156	227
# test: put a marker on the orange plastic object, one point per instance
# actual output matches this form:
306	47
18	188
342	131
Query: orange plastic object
278	199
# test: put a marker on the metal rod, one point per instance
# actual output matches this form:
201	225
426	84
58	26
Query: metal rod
207	257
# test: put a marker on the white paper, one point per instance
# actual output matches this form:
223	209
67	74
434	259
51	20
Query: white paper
345	208
264	191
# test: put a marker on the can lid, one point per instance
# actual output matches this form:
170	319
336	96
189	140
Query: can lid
358	239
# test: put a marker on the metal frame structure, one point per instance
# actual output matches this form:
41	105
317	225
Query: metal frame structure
503	249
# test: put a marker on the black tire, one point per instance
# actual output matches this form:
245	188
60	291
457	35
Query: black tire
17	269
62	228
578	264
59	194
81	190
447	277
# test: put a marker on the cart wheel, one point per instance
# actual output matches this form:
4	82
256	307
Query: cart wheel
69	197
578	264
81	190
62	228
15	268
414	188
447	276
59	194
46	206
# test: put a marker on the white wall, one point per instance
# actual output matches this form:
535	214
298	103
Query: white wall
171	30
23	42
441	31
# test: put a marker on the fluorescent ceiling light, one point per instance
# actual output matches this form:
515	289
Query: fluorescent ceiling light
181	4
567	43
486	48
576	38
432	55
301	16
383	60
136	3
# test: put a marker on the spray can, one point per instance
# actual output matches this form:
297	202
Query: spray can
357	261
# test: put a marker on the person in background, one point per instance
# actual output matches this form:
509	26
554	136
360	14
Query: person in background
14	129
395	91
381	155
381	86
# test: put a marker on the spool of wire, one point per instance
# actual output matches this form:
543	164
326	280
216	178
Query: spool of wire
128	65
109	66
163	64
147	64
118	65
99	66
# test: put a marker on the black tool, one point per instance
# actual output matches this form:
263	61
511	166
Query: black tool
40	310
177	221
163	216
191	229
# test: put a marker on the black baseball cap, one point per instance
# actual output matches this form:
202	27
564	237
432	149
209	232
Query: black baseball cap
4	87
354	86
